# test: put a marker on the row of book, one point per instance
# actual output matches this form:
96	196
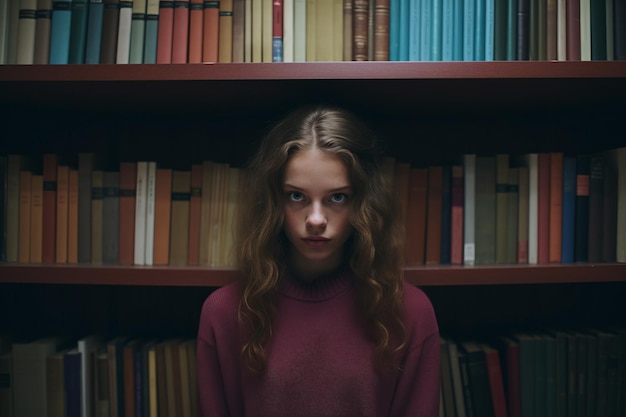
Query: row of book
99	377
536	208
194	31
548	372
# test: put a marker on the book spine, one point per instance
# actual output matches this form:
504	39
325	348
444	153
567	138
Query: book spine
42	32
140	213
225	44
110	30
50	162
180	32
26	32
469	186
210	34
150	206
151	32
137	32
94	32
110	218
62	212
360	11
277	31
165	32
127	199
196	22
381	30
72	216
60	32
78	31
123	32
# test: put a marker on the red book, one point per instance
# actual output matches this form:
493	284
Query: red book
556	206
572	27
196	21
496	383
127	198
543	255
165	32
456	239
195	206
508	350
180	32
416	218
49	208
433	217
210	34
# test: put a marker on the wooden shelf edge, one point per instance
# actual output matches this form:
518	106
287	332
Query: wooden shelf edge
216	277
314	71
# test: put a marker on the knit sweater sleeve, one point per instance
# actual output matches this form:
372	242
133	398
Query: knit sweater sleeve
417	390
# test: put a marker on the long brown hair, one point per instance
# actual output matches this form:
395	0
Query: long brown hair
374	250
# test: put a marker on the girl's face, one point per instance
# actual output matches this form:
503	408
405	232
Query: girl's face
317	200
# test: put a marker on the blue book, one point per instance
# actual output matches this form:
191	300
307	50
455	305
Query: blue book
569	205
277	49
511	31
137	33
78	31
60	32
426	26
479	37
490	29
458	29
468	30
394	30
405	16
436	30
94	32
447	30
150	39
414	30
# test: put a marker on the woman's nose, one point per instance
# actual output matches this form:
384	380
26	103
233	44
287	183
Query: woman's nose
316	219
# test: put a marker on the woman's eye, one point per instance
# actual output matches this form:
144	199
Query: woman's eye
296	196
338	198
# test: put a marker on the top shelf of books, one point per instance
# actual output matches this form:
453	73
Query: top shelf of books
379	86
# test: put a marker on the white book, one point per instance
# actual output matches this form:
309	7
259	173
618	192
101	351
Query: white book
288	30
533	208
87	346
140	212
150	203
26	27
585	30
469	206
299	30
561	29
123	33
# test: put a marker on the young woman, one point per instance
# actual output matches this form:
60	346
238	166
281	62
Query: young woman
321	322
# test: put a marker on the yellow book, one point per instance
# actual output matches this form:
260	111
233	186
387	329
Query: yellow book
324	31
267	30
311	28
226	31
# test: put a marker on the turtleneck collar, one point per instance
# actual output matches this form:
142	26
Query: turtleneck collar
322	288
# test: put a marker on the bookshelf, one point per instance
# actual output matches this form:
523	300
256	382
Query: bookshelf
573	106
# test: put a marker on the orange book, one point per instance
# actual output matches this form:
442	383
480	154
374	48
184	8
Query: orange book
456	230
433	216
162	211
543	214
196	21
225	44
211	30
180	32
62	207
50	162
72	218
127	198
195	207
165	32
36	218
179	236
556	206
416	220
23	253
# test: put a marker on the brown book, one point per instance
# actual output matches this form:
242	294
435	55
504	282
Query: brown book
456	229
416	219
360	13
42	32
50	162
110	217
115	348
86	165
162	391
552	30
208	168
128	366
210	32
162	213
179	237
127	198
433	215
347	30
97	201
195	206
55	377
62	213
225	46
572	25
36	218
485	210
238	30
381	30
110	29
231	208
25	184
72	217
556	206
217	210
523	210
196	21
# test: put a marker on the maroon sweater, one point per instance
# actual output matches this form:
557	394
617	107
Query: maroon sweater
319	357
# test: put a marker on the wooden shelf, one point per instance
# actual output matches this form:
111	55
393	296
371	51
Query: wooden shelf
370	86
204	277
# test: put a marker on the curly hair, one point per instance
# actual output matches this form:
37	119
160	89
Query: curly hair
374	251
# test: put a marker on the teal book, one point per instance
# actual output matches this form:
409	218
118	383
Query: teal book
94	32
500	30
414	30
150	39
598	30
511	30
394	30
425	28
60	31
457	34
447	30
490	16
137	33
78	31
469	22
479	32
436	22
404	35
